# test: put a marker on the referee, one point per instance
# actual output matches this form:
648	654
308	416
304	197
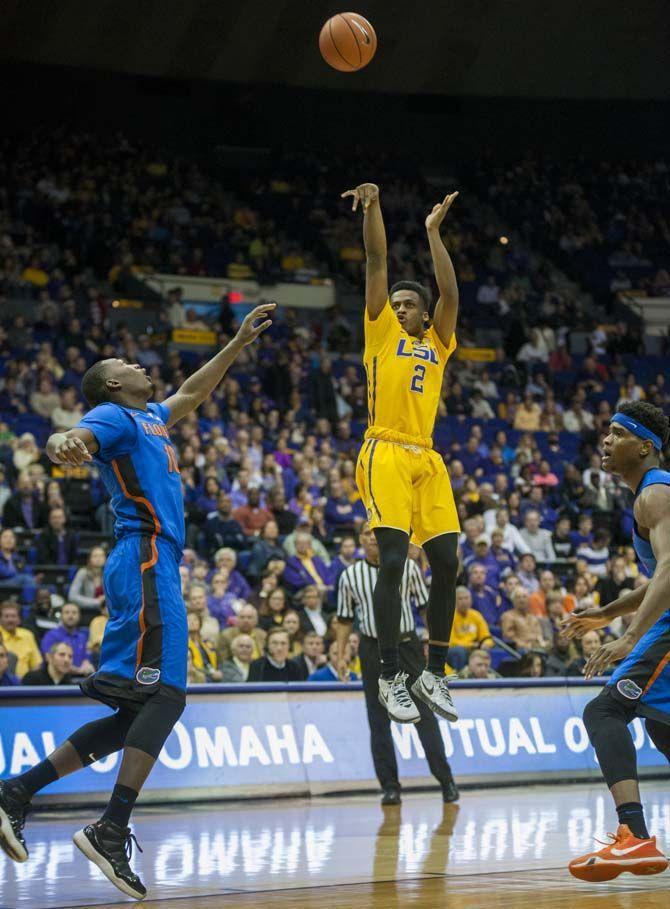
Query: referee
354	600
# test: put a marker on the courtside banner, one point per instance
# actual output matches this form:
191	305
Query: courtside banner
234	740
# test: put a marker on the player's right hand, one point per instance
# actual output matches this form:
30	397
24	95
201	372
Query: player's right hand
71	451
578	623
367	193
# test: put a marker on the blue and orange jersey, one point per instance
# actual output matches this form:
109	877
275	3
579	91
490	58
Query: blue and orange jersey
139	467
643	548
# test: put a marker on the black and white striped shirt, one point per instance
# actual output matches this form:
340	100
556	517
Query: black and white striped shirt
354	595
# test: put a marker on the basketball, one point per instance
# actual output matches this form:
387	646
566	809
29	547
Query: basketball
347	42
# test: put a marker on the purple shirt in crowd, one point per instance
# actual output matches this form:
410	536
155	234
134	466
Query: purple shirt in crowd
78	639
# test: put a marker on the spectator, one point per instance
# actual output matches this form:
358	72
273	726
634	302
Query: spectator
247	623
221	603
561	540
469	630
291	624
341	513
237	584
272	612
539	599
584	533
24	509
315	545
86	589
530	666
69	632
322	391
520	627
479	666
512	538
68	412
485	599
483	556
528	413
312	617
17	640
481	409
596	555
312	657
56	670
576	419
614	584
285	518
329	673
222	530
41	617
589	644
236	669
504	558
6	678
266	547
561	655
346	556
252	517
196	601
202	652
305	568
56	545
275	666
537	539
12	573
527	574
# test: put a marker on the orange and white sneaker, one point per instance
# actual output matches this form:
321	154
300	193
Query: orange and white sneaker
624	853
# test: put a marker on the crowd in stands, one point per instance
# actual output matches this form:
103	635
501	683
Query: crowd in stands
268	464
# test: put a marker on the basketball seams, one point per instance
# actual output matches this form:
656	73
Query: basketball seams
355	36
332	41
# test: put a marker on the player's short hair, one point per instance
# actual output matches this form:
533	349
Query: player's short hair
94	384
650	417
423	292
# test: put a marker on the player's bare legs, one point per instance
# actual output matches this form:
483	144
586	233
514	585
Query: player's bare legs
431	686
393	694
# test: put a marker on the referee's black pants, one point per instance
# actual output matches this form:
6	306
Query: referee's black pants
381	741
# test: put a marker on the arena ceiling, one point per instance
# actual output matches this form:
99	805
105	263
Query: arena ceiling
511	48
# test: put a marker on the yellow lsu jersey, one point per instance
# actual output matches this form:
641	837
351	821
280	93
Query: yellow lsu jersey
404	380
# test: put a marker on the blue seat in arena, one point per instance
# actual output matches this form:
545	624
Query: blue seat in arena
29	422
497	655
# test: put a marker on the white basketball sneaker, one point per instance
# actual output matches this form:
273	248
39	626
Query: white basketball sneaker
434	691
396	698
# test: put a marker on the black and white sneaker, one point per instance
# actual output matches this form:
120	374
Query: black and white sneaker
393	695
14	805
110	847
433	690
450	792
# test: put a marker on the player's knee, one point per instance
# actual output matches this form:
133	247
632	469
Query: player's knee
443	557
154	723
603	711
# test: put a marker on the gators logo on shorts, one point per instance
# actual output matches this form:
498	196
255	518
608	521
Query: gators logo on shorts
629	689
148	676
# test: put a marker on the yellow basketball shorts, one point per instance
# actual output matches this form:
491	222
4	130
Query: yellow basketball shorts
407	488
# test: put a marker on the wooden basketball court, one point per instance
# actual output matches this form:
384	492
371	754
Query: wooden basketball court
498	849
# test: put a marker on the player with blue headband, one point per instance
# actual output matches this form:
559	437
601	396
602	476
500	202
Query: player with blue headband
640	685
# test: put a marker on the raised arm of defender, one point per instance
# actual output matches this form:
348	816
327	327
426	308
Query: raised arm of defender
374	238
446	309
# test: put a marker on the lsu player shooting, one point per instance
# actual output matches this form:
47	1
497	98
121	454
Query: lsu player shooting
402	480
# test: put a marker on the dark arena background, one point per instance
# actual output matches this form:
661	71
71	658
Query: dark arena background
167	166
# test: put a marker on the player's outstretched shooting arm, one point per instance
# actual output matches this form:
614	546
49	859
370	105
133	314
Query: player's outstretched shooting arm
78	445
446	309
652	511
374	238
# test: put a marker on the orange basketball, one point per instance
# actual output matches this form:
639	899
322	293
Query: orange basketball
347	42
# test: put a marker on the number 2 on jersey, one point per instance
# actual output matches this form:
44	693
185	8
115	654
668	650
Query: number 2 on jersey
417	378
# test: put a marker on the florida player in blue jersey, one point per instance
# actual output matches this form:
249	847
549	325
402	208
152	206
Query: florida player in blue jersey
143	659
640	685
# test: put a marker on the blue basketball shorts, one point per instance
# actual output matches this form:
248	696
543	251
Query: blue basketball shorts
642	679
145	644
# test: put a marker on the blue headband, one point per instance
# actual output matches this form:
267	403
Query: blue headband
637	429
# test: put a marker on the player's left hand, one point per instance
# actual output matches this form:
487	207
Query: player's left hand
437	215
606	655
250	329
